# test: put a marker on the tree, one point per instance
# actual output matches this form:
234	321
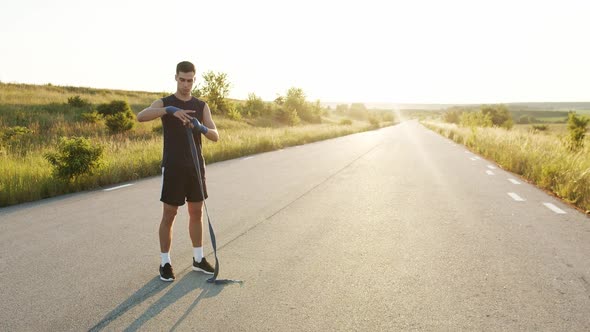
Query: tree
279	100
254	105
215	90
452	116
499	115
358	111
576	127
288	115
475	119
295	99
316	112
341	108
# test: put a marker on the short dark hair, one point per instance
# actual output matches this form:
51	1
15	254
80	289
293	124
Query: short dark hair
185	67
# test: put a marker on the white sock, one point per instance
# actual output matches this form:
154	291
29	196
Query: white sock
198	253
165	258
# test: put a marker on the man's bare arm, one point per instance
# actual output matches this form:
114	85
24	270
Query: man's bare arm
157	109
212	133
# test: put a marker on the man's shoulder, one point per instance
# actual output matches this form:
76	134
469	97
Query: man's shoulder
201	103
168	98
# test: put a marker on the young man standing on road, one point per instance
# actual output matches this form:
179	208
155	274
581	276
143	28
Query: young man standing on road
179	177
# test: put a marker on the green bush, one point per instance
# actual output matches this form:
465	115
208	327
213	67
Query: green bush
358	111
114	107
288	116
76	101
499	115
74	157
118	116
92	117
576	127
254	106
452	116
540	127
120	122
387	117
16	139
475	119
233	113
373	121
13	133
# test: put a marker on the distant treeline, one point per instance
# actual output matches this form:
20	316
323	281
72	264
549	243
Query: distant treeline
518	116
525	117
549	106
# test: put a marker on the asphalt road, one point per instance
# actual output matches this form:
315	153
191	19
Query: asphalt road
395	229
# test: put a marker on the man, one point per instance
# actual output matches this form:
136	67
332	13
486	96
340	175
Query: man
179	177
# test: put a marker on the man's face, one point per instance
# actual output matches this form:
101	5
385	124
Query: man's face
184	82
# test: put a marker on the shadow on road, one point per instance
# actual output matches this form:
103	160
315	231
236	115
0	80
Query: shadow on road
176	290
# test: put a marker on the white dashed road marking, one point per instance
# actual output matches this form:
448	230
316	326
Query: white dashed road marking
119	187
247	158
513	181
489	172
516	197
554	208
491	167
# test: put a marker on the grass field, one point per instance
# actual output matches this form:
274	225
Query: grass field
43	112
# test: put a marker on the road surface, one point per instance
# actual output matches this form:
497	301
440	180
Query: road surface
394	229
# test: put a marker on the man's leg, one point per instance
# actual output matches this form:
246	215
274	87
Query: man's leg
195	228
165	234
195	225
168	215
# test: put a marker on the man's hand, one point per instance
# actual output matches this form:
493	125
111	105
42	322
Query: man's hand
181	114
197	125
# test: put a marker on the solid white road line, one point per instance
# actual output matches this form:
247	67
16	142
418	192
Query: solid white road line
489	172
491	167
513	181
516	197
119	187
554	208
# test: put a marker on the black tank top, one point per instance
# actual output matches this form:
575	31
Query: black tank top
176	146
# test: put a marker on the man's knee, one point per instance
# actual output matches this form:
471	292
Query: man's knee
195	208
169	213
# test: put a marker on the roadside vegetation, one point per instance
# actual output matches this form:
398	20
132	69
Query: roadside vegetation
553	156
56	140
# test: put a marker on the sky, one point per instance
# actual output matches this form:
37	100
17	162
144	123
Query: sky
419	51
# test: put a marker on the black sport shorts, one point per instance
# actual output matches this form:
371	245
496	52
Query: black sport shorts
180	184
